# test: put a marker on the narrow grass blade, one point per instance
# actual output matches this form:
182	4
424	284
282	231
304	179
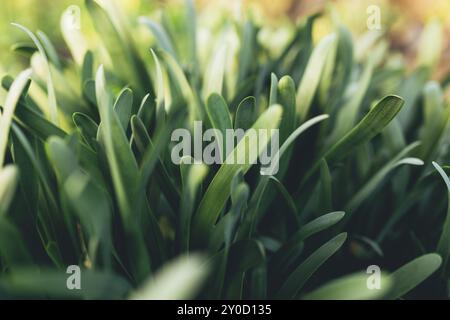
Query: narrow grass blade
287	198
163	39
348	113
123	107
311	77
246	53
219	115
351	287
9	177
325	194
412	274
122	163
50	88
13	249
52	283
214	75
11	102
295	282
245	114
372	124
72	34
124	173
375	181
218	191
273	89
193	176
185	91
286	98
292	137
88	128
119	42
178	280
443	247
49	49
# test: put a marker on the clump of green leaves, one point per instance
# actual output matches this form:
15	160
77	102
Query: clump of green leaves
86	176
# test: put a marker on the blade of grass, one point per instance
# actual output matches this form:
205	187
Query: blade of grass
6	117
180	279
297	279
412	274
311	77
443	247
50	88
351	287
218	191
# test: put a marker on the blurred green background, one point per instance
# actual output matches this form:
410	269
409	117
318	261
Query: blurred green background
45	15
403	19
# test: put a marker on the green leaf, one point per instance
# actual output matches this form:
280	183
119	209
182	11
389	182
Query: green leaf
87	69
294	135
13	250
351	287
217	193
49	49
325	194
85	196
124	172
436	117
348	113
52	283
146	110
219	115
286	98
191	33
255	204
245	114
50	88
87	127
180	279
443	247
25	48
311	77
63	159
193	175
123	107
119	42
31	118
375	181
9	176
181	83
160	94
410	90
123	167
214	74
160	34
412	274
297	279
140	134
273	89
372	124
244	255
6	117
72	35
38	165
246	54
286	196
